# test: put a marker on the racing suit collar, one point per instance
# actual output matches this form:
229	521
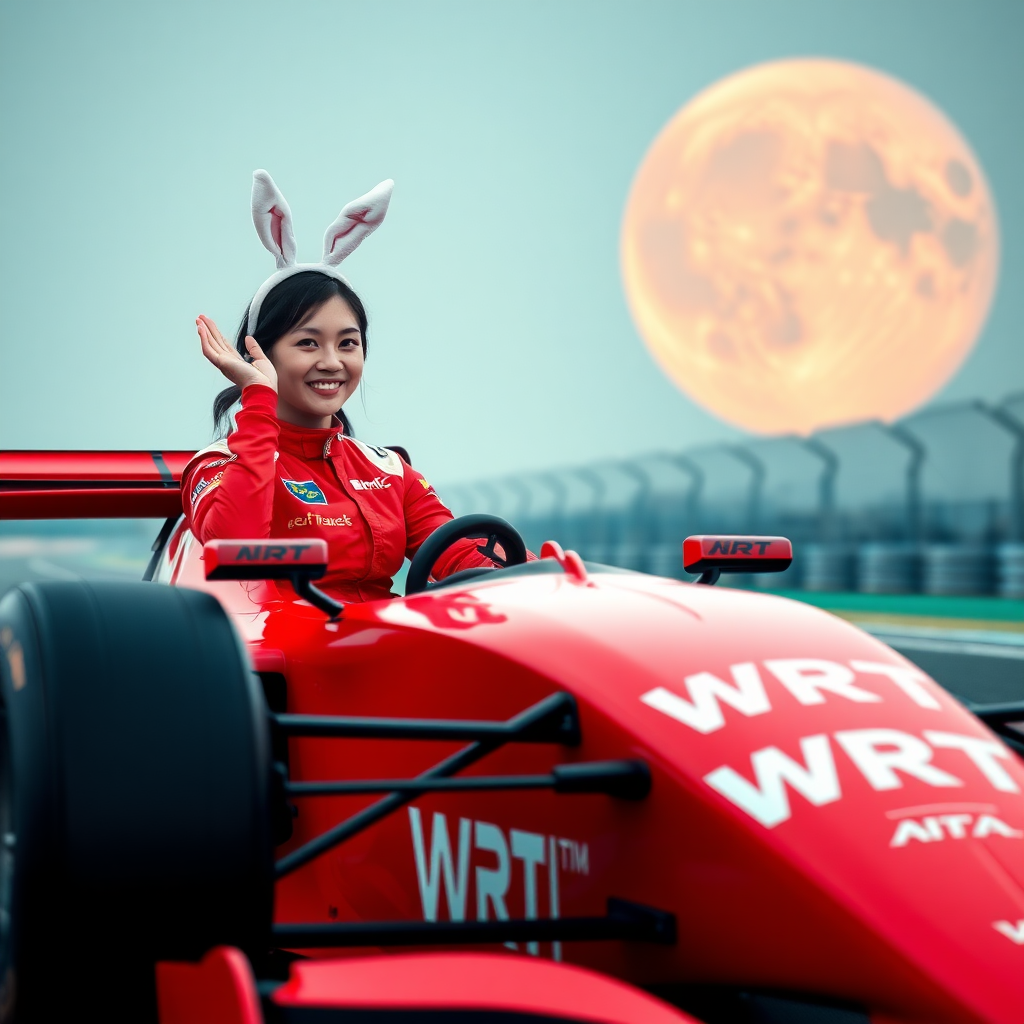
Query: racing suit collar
309	442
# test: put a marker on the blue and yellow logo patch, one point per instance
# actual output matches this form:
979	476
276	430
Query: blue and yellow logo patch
306	490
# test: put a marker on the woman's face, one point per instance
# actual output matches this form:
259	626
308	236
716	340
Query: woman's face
319	364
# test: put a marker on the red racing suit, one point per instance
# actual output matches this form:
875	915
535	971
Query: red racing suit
274	479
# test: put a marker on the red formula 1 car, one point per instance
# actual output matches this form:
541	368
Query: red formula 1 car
553	791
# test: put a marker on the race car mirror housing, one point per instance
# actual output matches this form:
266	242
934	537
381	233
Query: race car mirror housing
713	555
299	562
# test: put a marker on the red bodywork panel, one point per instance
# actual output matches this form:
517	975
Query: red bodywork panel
466	982
90	485
221	989
824	819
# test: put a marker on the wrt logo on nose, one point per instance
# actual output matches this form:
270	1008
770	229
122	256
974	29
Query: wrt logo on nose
883	756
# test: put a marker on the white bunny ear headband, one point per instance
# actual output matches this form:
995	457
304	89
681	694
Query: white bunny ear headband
273	220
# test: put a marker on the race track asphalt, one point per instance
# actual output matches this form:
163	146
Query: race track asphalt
979	666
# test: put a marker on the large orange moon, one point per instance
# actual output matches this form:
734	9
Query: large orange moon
809	243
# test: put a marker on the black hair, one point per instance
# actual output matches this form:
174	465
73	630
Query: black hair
287	305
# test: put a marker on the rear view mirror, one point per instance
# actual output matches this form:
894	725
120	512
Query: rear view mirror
264	559
300	562
712	555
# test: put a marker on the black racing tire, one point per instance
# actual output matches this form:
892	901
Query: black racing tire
134	792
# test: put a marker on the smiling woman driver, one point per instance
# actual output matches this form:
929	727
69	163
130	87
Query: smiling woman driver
291	467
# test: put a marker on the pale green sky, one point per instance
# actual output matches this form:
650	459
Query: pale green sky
499	338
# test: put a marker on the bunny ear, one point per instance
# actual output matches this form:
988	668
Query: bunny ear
360	218
273	219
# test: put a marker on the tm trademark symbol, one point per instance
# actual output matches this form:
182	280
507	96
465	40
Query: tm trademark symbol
575	857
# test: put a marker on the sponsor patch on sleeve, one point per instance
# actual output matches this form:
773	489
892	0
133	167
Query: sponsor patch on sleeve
204	485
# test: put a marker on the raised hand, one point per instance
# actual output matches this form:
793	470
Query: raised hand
225	357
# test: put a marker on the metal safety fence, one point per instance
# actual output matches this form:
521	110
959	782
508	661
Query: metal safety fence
933	503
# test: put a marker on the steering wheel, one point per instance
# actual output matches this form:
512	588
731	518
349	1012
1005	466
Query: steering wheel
495	529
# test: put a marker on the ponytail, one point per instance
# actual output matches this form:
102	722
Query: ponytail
221	406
